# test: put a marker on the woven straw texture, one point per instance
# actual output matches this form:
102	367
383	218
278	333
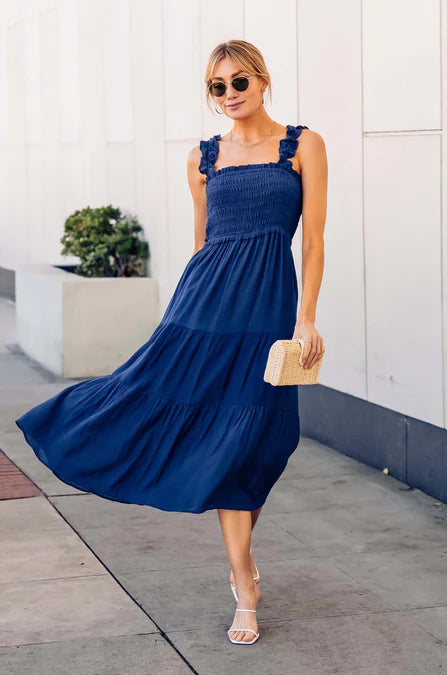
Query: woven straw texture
284	364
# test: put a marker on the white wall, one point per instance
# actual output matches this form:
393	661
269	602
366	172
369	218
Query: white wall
104	99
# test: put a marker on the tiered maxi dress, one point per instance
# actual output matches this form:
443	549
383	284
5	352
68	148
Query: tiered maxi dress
188	423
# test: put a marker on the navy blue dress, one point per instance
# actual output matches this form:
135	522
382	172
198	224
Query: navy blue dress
187	423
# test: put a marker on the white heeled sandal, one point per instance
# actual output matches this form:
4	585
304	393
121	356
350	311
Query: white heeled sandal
251	630
256	578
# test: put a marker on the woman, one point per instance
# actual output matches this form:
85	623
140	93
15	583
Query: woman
188	423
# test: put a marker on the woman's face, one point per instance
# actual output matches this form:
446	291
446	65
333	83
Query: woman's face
237	104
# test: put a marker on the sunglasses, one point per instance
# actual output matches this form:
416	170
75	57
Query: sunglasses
239	83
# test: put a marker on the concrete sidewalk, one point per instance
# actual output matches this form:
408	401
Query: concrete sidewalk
353	569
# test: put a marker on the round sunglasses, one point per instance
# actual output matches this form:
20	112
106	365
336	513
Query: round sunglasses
239	83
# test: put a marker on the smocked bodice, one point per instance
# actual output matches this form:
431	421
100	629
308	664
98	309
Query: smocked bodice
252	199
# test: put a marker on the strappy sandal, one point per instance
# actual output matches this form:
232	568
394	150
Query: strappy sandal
256	578
251	630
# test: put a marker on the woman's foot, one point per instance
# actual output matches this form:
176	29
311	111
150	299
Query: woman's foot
249	597
252	568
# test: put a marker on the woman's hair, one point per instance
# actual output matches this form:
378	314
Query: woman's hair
243	54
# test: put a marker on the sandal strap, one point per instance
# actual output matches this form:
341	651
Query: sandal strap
245	610
234	630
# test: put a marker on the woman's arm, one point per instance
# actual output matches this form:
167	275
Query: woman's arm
196	181
314	173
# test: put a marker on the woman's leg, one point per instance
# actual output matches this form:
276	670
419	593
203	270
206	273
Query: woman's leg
254	517
236	529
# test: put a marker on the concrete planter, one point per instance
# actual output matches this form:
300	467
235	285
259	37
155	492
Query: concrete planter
82	327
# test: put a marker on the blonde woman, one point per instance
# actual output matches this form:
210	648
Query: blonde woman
188	423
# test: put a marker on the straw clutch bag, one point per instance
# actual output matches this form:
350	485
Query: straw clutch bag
284	364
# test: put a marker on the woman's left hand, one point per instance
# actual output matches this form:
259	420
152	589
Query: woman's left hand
313	342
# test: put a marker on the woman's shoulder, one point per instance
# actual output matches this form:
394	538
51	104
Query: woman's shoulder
199	156
201	148
202	154
310	136
195	154
197	159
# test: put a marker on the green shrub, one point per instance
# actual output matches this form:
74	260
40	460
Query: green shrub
106	241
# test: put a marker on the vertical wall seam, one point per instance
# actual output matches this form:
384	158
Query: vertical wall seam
442	221
105	138
298	111
201	61
244	32
362	112
299	120
165	148
132	75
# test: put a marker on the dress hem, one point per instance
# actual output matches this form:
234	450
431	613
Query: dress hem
32	441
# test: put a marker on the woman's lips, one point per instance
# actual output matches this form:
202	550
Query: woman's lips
235	105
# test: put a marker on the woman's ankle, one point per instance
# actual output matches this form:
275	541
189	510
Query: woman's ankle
246	587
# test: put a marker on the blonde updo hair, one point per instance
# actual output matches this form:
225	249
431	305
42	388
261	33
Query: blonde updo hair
243	54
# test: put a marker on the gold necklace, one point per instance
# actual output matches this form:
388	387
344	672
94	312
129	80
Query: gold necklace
249	145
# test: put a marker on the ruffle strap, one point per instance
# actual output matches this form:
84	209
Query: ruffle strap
288	145
213	150
210	149
203	166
